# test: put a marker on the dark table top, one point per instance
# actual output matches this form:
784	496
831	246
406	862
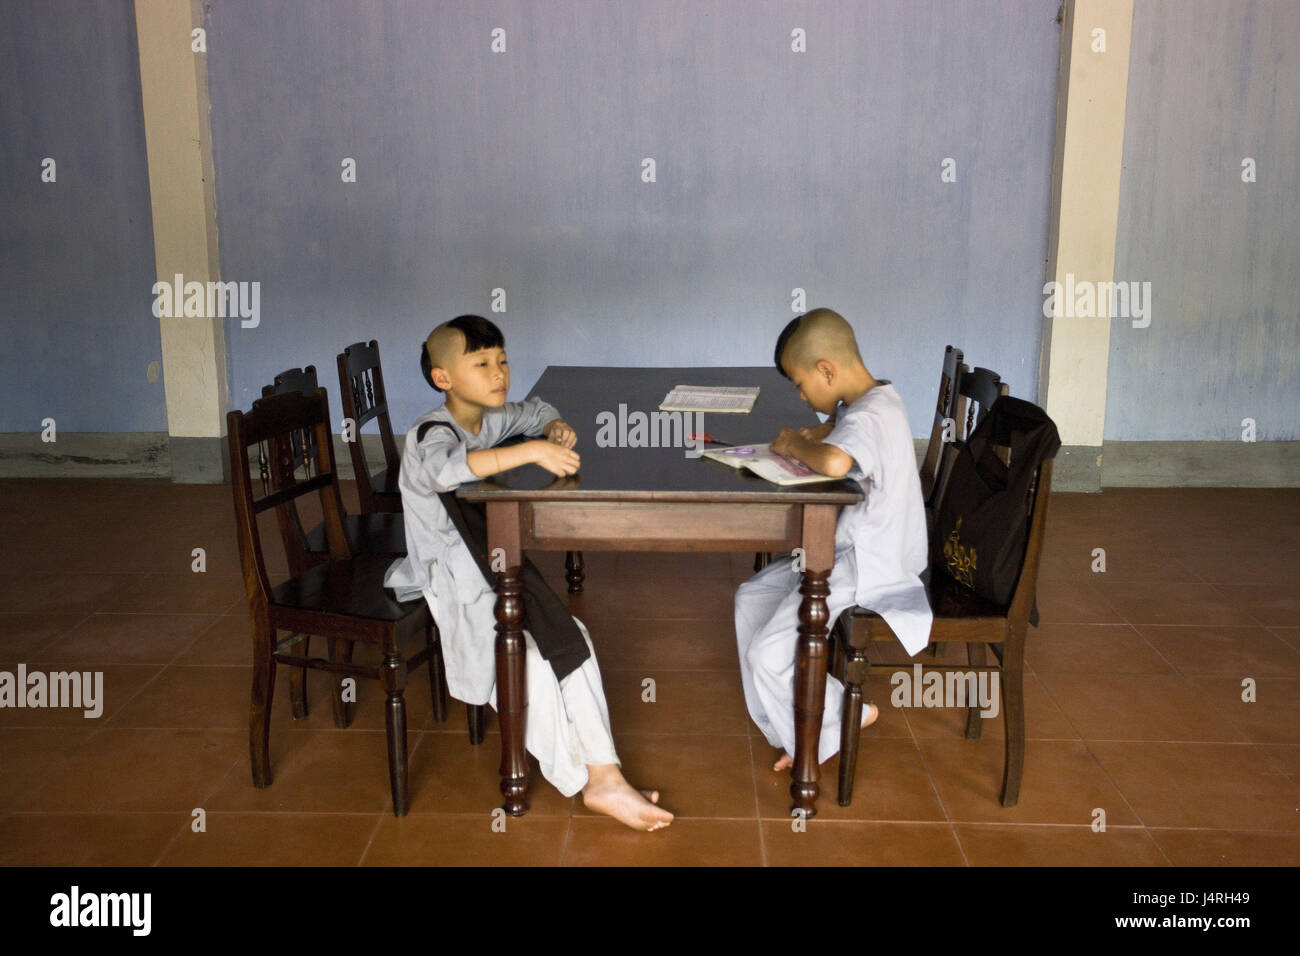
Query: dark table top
580	393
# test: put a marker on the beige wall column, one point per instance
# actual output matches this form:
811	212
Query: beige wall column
173	82
1084	213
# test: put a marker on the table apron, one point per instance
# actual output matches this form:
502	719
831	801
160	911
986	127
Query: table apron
660	526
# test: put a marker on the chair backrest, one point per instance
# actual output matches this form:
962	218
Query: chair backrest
271	426
1020	429
302	380
944	412
1022	600
977	390
361	383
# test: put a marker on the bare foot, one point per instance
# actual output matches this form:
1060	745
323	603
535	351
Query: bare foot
609	793
869	714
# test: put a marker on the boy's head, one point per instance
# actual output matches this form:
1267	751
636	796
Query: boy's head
467	357
819	353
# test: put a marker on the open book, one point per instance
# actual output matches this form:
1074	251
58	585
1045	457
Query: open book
759	459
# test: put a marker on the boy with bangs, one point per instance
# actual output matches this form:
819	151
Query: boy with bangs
568	722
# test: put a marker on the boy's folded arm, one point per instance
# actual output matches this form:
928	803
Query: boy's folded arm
528	417
443	467
825	458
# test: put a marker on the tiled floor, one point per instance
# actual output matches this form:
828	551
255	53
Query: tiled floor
1134	699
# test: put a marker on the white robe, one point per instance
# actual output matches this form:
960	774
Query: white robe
568	722
880	554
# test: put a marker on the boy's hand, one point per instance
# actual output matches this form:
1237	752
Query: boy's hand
558	431
556	459
787	443
817	432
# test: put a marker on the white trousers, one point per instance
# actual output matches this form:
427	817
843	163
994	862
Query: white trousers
568	720
767	622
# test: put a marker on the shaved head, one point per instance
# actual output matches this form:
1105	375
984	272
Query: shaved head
463	334
814	336
444	344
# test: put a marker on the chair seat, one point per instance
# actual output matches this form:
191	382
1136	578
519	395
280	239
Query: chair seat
379	533
349	588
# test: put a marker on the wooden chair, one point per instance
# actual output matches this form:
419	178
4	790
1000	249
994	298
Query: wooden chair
341	598
381	533
960	616
945	411
368	534
361	384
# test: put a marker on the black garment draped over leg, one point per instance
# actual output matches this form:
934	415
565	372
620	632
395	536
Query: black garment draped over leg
545	615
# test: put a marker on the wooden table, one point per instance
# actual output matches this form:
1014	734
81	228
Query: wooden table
658	499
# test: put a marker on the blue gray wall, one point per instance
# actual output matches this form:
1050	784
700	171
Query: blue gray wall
76	255
522	170
1210	83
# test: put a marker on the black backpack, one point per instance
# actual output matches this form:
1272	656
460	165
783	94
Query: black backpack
982	527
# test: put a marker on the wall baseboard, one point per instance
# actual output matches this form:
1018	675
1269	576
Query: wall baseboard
1126	464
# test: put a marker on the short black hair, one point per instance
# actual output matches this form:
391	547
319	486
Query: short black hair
783	340
480	333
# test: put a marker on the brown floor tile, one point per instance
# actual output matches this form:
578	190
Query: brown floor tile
32	754
273	839
1273	717
446	840
1229	847
1138	707
1250	564
1074	602
599	841
120	684
127	639
1062	783
228	640
1282	758
1092	649
320	772
685	702
209	593
824	842
677	564
1289	634
97	792
67	593
139	770
998	845
451	776
683	644
696	776
598	567
1220	786
1277	606
1044	719
667	598
1230	651
1177	603
890	783
87	839
25	634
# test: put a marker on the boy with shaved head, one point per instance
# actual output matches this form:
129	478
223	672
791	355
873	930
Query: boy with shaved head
880	543
568	722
